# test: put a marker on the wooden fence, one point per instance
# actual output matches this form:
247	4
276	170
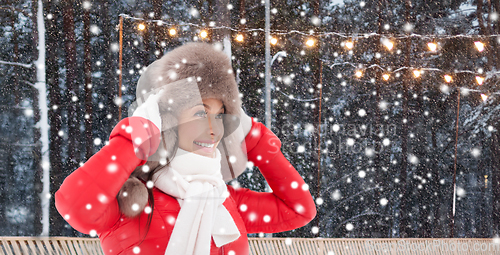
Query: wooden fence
277	246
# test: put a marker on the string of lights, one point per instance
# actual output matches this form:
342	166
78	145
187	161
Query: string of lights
387	40
354	37
417	71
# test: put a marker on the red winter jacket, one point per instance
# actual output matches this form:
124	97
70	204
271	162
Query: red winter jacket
87	198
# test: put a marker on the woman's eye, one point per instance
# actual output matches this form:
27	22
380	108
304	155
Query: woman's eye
219	116
201	113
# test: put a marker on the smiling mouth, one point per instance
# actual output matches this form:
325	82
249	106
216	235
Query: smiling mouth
206	145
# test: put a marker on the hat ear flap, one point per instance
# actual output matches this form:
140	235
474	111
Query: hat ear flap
132	198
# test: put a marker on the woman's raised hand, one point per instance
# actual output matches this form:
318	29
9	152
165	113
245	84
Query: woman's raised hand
150	110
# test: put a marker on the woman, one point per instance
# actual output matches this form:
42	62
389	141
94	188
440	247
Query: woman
158	187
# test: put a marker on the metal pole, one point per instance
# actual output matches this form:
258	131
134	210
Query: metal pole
268	77
120	72
268	68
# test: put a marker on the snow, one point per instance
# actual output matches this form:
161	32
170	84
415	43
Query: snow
314	230
384	201
43	123
349	227
362	174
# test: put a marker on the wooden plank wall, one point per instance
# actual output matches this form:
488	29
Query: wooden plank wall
277	246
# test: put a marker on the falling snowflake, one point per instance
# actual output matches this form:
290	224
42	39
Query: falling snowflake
250	164
384	201
461	192
336	195
315	21
136	250
115	47
476	152
305	187
496	240
386	142
235	184
319	201
445	89
349	226
267	218
95	29
301	149
194	12
362	112
118	101
350	141
413	159
87	5
362	174
383	105
408	27
369	152
314	230
103	198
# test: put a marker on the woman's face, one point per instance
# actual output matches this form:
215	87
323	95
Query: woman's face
200	127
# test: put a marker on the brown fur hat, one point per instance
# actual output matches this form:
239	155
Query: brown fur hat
208	68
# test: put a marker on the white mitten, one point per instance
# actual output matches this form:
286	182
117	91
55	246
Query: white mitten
150	110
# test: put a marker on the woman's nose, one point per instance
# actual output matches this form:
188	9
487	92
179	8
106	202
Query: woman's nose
215	126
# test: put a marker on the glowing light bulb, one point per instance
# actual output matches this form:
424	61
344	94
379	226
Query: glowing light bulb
239	38
310	42
386	77
432	46
479	46
349	45
388	44
447	78
172	31
141	26
479	80
484	97
274	40
203	34
416	73
359	74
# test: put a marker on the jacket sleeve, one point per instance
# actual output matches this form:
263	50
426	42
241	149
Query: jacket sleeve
87	197
290	205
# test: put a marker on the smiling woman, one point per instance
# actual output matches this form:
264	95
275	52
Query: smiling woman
159	187
201	128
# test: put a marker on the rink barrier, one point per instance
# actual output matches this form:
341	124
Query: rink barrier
278	246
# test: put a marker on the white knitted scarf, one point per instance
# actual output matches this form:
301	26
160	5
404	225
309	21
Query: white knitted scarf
196	181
